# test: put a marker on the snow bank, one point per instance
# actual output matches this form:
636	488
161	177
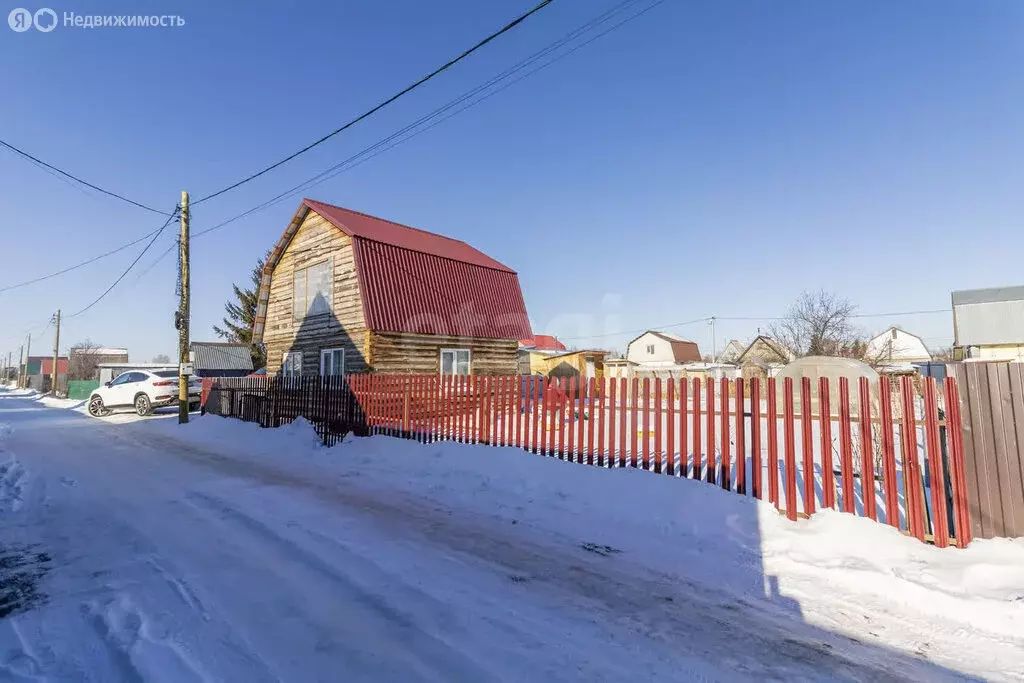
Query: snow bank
671	524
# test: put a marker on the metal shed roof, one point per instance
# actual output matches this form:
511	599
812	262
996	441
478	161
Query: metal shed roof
220	356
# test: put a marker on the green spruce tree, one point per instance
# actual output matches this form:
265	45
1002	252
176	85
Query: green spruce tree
241	314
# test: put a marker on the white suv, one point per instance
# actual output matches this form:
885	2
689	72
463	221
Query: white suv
142	389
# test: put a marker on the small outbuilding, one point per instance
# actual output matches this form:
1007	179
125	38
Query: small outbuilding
220	359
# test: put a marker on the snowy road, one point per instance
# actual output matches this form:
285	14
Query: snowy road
128	554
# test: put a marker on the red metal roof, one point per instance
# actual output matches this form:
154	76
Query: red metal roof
356	224
419	282
542	342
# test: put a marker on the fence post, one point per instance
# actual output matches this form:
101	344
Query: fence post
789	428
913	483
698	463
773	442
807	445
958	474
741	446
405	406
940	530
867	462
828	477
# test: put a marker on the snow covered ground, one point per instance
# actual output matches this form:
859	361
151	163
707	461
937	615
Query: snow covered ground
144	550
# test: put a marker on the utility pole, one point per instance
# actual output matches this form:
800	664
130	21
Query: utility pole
183	316
28	352
17	382
56	348
714	342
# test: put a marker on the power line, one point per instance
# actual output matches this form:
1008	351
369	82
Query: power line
170	218
64	173
365	153
853	315
645	329
79	265
381	105
343	166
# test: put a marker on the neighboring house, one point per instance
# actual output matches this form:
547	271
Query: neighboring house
615	368
108	371
344	292
83	362
988	324
897	347
534	352
654	348
765	350
584	364
732	352
220	359
101	355
762	358
542	342
40	372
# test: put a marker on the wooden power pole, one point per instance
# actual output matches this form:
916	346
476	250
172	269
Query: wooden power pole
183	316
56	348
23	381
17	381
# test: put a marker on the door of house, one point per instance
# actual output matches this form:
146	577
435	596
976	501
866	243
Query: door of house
591	372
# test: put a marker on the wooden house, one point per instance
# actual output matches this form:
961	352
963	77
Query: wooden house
535	351
762	358
343	292
585	364
653	348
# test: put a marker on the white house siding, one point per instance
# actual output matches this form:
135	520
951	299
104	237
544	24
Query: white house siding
898	346
1002	352
638	353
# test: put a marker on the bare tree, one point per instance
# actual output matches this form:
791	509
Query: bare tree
817	324
162	358
83	360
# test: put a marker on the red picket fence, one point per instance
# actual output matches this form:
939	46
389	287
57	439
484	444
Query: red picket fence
891	454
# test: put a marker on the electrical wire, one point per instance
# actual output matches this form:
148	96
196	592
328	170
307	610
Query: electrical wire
64	173
444	67
343	166
852	315
378	146
646	329
170	218
83	263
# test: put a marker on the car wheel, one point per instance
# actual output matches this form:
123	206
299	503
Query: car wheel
142	405
96	407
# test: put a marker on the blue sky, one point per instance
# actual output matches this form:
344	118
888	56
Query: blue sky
704	159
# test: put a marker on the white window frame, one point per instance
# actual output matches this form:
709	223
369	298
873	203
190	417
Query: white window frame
304	273
650	349
327	353
455	363
287	369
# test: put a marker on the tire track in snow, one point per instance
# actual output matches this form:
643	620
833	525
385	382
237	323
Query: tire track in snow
380	618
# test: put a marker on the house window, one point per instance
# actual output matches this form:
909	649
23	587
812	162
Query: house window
894	333
291	364
455	361
332	362
312	290
650	349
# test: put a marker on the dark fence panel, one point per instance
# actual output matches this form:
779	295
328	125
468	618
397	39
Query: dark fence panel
992	405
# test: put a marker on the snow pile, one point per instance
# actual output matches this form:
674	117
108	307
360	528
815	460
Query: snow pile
63	403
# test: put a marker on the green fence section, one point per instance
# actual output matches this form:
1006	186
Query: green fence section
81	388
